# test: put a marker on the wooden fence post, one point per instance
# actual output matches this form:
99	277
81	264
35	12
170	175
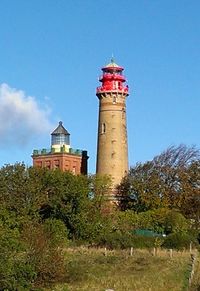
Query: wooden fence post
190	247
131	251
193	259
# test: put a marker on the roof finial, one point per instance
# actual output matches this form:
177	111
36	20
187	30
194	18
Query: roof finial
112	58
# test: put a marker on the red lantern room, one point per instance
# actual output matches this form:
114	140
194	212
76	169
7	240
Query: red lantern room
112	79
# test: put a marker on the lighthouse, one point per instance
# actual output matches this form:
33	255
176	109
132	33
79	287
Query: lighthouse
61	155
112	146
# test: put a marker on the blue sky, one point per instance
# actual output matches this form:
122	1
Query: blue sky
51	54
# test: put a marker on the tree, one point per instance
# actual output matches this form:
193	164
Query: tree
100	187
67	200
23	190
190	189
170	180
30	250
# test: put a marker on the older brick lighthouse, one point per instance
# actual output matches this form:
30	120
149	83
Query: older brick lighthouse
112	148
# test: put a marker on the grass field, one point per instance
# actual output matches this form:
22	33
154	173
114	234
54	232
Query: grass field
90	269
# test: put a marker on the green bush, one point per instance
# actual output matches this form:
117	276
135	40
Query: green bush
143	242
118	240
23	275
57	232
45	256
179	241
175	222
15	271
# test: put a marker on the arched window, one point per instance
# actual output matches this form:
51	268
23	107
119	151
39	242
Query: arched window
103	128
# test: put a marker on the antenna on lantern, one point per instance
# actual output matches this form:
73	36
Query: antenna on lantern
112	58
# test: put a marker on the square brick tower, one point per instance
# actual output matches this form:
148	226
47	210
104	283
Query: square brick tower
61	155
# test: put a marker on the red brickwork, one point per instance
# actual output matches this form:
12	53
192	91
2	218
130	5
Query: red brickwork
77	164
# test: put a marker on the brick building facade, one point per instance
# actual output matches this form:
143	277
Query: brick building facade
61	155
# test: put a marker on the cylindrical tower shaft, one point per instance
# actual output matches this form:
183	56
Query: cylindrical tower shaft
112	148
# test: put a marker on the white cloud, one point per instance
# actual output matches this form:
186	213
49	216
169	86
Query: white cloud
21	118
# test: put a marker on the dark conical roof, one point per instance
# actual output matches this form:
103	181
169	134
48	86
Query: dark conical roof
60	130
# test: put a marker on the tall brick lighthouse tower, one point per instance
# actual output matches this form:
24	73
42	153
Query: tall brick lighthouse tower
112	148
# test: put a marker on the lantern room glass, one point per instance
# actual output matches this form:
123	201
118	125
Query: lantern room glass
60	139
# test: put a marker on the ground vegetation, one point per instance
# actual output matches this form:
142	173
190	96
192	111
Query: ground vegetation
43	212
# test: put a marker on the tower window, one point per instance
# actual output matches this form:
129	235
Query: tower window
39	164
114	99
123	113
47	164
56	164
113	155
103	128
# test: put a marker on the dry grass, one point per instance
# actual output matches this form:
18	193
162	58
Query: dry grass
90	269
